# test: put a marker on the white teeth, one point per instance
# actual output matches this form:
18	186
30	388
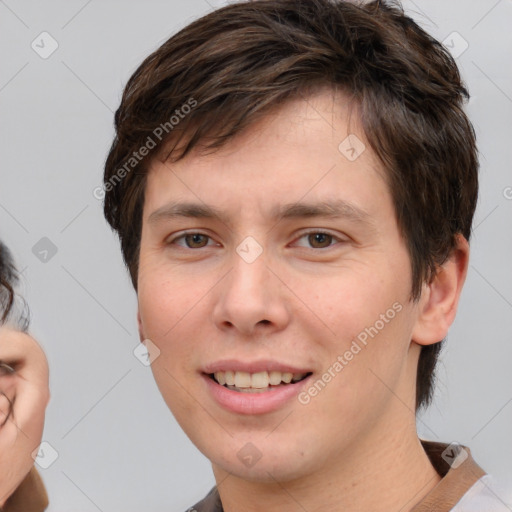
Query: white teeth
242	380
275	378
220	378
287	377
230	378
259	380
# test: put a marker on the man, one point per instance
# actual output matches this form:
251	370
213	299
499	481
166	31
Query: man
24	395
293	183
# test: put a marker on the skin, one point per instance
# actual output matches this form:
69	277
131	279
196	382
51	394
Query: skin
301	302
28	389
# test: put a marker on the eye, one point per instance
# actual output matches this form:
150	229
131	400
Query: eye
315	239
6	369
319	239
192	240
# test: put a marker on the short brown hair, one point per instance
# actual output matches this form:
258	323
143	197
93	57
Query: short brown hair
237	63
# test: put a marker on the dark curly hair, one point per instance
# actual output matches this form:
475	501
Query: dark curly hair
13	308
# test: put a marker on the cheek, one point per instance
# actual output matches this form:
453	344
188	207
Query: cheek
174	311
353	301
167	316
374	362
369	319
165	299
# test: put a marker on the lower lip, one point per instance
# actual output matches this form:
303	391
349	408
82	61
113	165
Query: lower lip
253	403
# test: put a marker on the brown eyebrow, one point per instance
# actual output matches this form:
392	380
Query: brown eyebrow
338	208
184	209
330	209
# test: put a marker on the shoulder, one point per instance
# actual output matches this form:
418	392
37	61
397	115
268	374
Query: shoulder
30	495
211	503
487	493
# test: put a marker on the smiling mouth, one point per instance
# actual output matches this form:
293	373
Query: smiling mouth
259	382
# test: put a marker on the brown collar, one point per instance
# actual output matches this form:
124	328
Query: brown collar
30	496
458	470
453	463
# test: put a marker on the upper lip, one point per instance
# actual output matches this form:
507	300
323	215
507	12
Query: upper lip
261	365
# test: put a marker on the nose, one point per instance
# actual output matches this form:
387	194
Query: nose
251	298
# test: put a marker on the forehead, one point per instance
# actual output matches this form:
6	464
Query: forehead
311	148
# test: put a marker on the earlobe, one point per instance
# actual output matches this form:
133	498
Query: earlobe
440	298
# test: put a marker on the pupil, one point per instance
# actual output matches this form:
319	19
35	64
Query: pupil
194	239
320	238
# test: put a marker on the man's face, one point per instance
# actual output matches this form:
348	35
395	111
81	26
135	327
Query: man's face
254	296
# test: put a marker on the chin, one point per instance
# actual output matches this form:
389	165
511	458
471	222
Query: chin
265	472
268	465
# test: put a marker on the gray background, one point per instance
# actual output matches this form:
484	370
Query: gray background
118	446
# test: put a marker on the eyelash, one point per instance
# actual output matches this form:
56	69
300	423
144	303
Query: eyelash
311	232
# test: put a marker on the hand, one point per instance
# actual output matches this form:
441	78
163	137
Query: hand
24	395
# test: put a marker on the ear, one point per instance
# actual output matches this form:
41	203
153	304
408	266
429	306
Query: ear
139	324
440	298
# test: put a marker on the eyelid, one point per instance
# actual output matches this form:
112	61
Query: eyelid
6	369
300	235
181	234
323	231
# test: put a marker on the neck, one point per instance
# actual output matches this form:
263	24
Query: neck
391	473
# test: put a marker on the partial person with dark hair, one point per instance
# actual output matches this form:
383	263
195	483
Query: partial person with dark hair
293	183
24	395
